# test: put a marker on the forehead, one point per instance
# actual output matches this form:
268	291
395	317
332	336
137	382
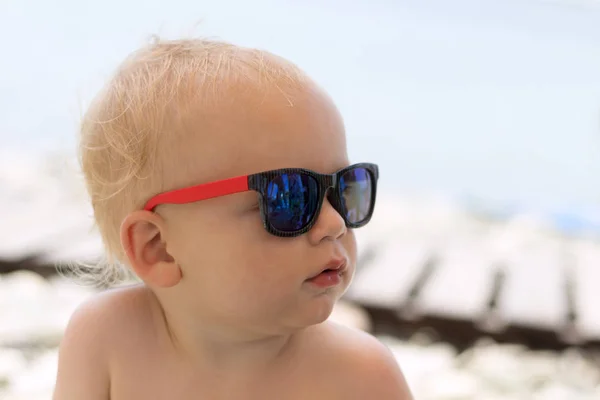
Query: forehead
261	131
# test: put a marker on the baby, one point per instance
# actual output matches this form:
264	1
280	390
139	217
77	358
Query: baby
219	176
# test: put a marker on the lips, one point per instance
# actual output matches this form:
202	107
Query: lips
334	265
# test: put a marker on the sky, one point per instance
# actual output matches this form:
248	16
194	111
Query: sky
494	99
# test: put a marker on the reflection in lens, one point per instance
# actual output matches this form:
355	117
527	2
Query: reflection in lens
355	192
291	201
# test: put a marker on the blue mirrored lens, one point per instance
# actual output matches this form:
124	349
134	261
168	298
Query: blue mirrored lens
291	201
355	192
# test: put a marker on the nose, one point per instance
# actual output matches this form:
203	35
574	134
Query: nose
329	225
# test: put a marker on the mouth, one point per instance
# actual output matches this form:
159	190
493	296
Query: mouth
335	265
330	274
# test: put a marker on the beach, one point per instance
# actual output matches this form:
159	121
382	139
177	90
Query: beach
35	311
54	224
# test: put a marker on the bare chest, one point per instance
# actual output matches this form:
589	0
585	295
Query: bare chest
167	382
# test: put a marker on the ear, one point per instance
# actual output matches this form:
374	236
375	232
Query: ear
142	238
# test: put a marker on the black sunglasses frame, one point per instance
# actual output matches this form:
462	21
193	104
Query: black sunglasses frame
327	185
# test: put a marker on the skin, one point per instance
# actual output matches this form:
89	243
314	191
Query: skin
225	311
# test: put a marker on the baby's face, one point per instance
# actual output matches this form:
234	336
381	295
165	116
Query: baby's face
234	271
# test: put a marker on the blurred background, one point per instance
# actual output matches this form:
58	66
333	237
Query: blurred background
481	266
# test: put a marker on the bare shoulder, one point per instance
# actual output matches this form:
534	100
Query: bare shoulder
96	331
365	366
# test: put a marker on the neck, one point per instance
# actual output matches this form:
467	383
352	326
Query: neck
256	354
227	349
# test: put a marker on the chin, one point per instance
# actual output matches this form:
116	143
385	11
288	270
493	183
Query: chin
319	309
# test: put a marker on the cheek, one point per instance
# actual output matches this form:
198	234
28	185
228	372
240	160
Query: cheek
271	264
209	234
264	272
236	254
349	243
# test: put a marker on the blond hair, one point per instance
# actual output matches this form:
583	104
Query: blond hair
142	106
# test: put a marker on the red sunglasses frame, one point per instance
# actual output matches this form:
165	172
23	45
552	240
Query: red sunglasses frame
200	192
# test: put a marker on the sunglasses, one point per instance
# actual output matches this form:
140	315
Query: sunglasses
291	198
